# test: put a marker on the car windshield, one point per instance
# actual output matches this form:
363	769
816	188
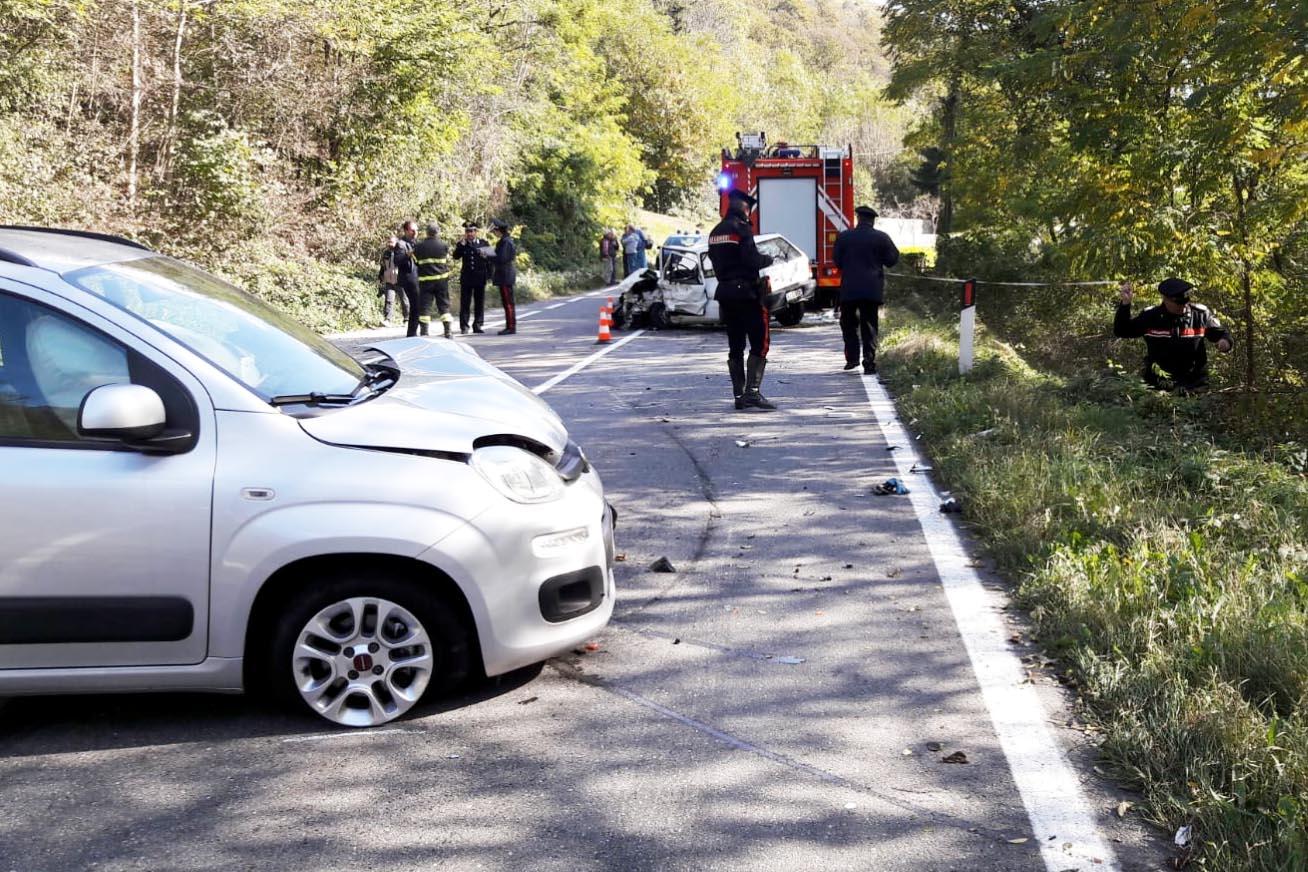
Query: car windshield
267	351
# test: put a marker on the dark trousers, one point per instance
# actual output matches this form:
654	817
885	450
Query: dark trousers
410	287
510	312
472	301
628	264
860	322
746	322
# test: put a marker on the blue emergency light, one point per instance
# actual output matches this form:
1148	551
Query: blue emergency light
724	182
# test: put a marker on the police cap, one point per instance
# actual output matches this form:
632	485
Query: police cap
470	225
735	195
499	224
1177	289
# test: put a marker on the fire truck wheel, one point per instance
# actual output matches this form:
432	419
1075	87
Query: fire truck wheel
791	315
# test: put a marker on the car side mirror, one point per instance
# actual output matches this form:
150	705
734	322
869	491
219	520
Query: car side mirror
132	414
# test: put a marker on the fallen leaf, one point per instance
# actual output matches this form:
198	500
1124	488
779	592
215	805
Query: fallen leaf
529	699
1122	808
1021	841
956	757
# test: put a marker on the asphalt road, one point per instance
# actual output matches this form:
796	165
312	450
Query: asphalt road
784	700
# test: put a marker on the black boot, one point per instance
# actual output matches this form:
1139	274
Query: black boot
449	334
869	366
736	366
753	399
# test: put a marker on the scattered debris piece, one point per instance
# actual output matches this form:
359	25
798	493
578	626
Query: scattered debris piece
826	578
676	641
741	443
1021	841
951	506
1122	808
920	467
850	806
907	752
849	566
894	573
981	434
528	700
890	486
892	447
934	746
1182	837
956	757
451	756
592	646
788	660
663	564
620	558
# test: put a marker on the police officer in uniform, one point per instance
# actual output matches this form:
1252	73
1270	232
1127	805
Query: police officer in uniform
862	253
1174	334
432	257
474	270
741	303
505	274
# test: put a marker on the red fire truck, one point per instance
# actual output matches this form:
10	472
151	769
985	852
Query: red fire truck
804	192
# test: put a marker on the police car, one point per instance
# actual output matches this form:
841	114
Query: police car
680	290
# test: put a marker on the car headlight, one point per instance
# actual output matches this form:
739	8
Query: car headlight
518	474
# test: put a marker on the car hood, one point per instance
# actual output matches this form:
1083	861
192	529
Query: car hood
447	397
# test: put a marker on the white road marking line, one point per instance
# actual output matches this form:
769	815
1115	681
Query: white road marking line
1049	788
582	364
355	734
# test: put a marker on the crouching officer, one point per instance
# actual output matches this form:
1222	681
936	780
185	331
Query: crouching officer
1174	335
432	257
741	299
474	270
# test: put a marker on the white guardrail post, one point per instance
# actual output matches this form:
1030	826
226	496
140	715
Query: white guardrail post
967	327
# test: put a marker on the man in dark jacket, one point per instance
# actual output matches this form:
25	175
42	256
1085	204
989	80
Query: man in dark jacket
1174	335
473	273
432	257
406	270
740	295
505	274
862	253
388	281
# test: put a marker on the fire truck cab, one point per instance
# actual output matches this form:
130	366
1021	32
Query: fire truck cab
804	192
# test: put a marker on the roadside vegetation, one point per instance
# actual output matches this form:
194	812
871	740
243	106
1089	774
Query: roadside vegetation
1166	565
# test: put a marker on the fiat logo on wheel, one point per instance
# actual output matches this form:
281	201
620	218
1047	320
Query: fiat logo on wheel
362	662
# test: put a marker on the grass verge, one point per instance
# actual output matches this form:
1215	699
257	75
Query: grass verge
1169	574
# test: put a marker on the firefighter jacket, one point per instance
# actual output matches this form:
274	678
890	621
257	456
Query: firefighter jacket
473	266
1174	342
862	253
736	260
504	265
432	257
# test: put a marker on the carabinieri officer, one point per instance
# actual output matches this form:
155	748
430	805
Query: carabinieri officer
741	299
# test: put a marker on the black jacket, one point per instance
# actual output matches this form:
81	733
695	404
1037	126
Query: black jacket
736	259
432	256
1174	342
403	253
504	264
473	267
862	253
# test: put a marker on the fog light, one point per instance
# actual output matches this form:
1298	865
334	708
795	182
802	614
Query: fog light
552	543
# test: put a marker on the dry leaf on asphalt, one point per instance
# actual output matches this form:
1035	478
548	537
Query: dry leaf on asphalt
956	757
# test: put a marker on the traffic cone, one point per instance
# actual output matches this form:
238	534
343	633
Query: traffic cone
604	322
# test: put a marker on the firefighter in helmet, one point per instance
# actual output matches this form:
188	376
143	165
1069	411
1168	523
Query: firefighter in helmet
741	299
432	255
1174	333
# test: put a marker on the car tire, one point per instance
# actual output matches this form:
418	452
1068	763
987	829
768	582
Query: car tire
790	315
659	319
331	637
619	315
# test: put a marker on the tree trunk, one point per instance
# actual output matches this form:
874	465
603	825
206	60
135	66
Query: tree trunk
134	133
1241	192
170	147
949	127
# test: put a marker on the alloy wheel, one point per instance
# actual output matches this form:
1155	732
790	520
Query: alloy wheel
362	661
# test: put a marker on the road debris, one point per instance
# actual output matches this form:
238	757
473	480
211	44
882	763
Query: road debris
951	506
788	660
956	757
890	486
934	746
1182	837
592	647
663	564
528	700
741	443
920	467
1123	807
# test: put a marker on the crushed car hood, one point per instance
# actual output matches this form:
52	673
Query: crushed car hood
446	398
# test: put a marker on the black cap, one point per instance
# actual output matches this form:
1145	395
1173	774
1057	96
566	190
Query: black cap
865	211
499	224
470	225
735	195
1177	289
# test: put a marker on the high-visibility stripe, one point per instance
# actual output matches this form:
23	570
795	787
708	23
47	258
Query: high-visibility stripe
444	275
437	260
1183	333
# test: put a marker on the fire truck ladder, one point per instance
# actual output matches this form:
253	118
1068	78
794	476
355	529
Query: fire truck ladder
831	194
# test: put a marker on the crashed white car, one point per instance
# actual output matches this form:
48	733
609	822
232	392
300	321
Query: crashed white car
681	289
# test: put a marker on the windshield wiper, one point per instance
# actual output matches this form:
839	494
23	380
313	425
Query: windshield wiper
313	398
374	375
